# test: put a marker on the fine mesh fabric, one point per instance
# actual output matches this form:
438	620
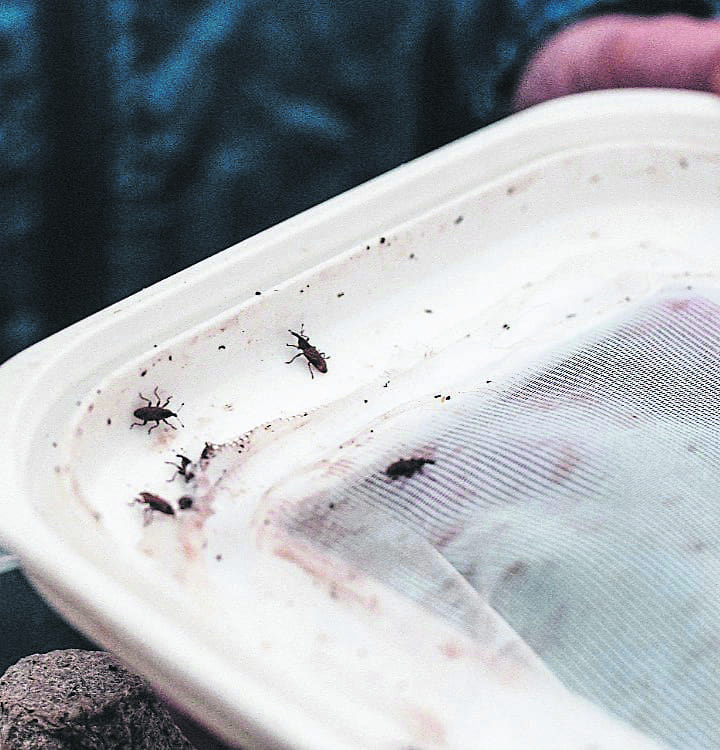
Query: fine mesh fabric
580	499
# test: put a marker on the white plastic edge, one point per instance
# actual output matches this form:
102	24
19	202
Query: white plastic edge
591	119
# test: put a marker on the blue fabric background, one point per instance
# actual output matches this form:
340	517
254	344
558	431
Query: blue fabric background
139	136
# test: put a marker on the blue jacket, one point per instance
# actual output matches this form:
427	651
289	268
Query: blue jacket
139	136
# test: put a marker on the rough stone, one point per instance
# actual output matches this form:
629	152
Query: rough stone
82	700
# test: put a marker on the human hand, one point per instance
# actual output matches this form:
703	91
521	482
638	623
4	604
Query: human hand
618	51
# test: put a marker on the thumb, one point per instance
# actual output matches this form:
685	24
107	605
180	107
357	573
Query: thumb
616	51
714	81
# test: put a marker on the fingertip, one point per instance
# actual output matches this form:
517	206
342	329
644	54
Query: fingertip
714	81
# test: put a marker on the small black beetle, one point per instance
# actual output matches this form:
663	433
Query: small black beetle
182	468
207	452
315	358
154	502
406	467
154	413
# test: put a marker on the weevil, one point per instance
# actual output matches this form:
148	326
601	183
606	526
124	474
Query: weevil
155	413
317	359
154	502
406	467
182	468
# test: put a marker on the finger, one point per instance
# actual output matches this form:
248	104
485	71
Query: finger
715	81
616	51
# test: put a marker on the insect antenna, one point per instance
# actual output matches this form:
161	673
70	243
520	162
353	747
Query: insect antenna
176	416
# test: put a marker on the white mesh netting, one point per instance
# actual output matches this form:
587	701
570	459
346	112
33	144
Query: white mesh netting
580	498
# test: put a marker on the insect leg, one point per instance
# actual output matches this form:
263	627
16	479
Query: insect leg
178	470
299	354
311	372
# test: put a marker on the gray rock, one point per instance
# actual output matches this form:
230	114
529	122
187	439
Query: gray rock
82	700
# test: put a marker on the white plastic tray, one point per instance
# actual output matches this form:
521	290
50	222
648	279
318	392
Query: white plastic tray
477	257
